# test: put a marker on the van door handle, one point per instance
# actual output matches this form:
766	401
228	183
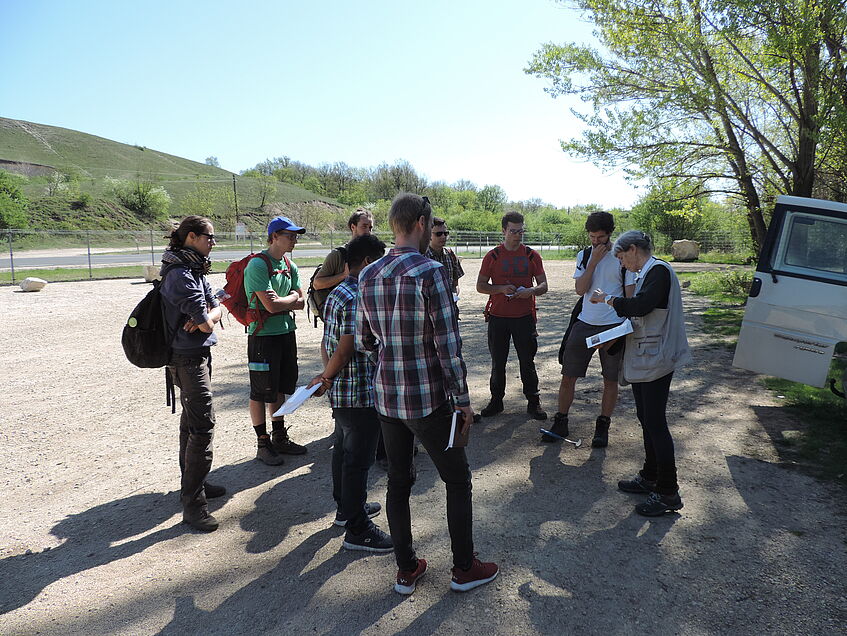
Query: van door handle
755	287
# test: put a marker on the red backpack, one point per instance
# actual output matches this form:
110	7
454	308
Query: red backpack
237	303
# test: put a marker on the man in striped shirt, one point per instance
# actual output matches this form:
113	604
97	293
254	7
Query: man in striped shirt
407	316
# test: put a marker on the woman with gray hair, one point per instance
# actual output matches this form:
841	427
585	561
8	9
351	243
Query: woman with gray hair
654	350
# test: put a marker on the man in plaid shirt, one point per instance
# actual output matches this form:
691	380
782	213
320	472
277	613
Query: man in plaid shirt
407	316
347	378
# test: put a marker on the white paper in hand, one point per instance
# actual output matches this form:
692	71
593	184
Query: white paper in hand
296	399
452	437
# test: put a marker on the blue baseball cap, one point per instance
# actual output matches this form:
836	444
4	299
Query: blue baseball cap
284	223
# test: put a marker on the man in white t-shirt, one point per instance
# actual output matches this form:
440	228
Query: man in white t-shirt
597	269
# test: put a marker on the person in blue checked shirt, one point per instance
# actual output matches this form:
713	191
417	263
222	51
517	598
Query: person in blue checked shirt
347	378
407	316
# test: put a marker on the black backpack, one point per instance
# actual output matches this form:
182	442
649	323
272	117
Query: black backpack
145	338
577	309
316	298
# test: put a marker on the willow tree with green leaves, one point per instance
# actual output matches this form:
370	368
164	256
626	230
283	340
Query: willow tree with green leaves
736	97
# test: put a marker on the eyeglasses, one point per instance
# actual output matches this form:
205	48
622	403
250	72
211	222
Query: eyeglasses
444	233
292	235
511	231
211	236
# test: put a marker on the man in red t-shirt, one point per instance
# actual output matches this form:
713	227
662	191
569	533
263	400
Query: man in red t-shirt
507	275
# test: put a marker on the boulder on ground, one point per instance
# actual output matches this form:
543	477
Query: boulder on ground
685	250
33	284
151	273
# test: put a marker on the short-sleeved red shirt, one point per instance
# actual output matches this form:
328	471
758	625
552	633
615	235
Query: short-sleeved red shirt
517	268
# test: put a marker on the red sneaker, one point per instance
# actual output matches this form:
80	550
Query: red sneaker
406	580
478	574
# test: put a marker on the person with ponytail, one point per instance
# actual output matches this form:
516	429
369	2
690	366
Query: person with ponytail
191	312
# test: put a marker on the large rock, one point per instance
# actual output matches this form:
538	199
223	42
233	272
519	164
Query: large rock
685	250
33	284
151	272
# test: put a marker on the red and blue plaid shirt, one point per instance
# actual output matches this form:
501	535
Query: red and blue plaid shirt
352	385
407	315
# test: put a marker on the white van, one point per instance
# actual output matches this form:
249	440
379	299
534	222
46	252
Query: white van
797	309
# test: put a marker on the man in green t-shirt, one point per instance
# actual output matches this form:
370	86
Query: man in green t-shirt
272	350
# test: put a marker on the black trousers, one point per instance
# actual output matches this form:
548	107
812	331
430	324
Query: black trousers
523	332
433	431
651	400
193	375
354	443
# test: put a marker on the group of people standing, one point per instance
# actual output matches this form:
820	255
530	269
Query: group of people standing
393	365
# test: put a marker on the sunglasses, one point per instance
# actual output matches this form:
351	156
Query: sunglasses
291	235
211	236
444	233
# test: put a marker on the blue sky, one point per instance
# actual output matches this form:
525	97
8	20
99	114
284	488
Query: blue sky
438	83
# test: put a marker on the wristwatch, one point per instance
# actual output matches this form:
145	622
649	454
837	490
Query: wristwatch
608	298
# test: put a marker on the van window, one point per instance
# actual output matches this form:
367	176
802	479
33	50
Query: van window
814	246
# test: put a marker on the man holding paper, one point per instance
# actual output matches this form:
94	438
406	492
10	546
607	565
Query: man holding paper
347	378
407	316
595	267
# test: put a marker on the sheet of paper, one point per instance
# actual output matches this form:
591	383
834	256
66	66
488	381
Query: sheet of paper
610	334
452	437
296	399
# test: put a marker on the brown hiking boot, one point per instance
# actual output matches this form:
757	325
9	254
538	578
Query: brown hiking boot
282	443
266	452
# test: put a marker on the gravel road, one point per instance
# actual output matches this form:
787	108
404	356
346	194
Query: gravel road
91	540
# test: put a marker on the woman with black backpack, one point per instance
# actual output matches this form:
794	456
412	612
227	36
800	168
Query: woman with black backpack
191	312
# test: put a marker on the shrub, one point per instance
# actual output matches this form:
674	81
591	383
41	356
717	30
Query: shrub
149	201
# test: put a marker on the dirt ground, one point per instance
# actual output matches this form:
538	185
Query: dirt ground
91	540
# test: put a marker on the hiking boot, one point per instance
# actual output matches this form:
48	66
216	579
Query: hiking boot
407	580
657	505
371	540
601	432
283	444
533	407
213	491
637	485
478	574
200	519
494	406
266	453
372	509
560	427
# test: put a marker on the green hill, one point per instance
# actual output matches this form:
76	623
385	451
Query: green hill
43	155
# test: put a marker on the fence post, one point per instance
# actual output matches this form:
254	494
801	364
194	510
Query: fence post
251	242
152	249
88	245
12	258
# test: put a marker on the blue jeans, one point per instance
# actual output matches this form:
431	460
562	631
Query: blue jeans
354	445
433	432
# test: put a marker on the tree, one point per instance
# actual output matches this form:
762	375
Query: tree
142	196
267	188
739	97
492	198
13	203
213	161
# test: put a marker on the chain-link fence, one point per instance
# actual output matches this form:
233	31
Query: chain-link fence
99	254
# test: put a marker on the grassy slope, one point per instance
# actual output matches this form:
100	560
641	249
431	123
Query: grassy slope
92	158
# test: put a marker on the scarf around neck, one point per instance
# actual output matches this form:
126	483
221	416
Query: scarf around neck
195	261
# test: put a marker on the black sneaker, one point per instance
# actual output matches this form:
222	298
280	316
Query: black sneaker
371	540
213	491
657	505
266	452
560	427
200	519
601	432
493	407
637	485
533	407
283	444
372	509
